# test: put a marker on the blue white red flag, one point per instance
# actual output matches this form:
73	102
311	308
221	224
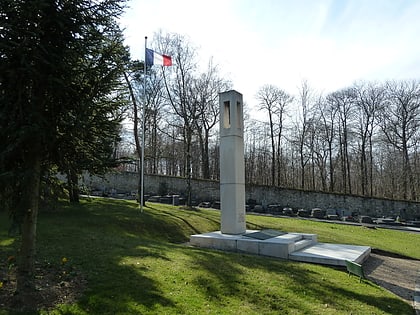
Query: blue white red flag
154	58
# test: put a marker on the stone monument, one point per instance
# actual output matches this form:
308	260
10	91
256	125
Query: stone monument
233	235
232	165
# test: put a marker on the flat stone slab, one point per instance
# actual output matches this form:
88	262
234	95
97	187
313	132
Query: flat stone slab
332	254
285	245
264	234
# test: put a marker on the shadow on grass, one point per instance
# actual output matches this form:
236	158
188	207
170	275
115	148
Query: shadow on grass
388	305
98	237
281	286
116	287
284	286
229	274
186	216
172	214
120	250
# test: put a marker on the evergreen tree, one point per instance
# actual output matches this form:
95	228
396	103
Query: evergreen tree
59	74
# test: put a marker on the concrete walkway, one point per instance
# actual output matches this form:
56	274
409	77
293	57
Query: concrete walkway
332	254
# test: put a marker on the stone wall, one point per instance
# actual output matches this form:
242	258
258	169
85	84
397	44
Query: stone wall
207	190
202	190
376	207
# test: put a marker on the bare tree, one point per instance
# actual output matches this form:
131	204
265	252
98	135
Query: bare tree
327	118
150	99
400	124
370	97
255	151
153	117
179	82
274	101
344	103
135	120
206	89
320	143
302	129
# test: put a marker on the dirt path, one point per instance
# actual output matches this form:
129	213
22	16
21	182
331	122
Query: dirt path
396	274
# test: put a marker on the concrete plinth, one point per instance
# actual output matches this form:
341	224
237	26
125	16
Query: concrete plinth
295	246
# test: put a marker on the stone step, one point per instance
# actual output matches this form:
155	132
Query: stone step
308	236
293	237
301	244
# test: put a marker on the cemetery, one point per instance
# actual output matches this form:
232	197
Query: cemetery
265	197
233	235
172	259
83	228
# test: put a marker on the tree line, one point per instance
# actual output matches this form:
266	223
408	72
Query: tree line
363	139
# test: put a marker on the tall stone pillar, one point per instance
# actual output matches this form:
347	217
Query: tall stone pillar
232	164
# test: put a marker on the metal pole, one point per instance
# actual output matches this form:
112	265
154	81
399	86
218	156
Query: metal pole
143	127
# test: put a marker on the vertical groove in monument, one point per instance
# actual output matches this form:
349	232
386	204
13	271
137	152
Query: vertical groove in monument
232	165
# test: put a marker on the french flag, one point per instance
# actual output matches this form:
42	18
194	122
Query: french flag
154	58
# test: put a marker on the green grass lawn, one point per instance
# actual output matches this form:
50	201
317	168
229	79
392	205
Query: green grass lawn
137	263
394	241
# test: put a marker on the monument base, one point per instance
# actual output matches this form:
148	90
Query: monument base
294	246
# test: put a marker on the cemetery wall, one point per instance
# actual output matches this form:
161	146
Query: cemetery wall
208	190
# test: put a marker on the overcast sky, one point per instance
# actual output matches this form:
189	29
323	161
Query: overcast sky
329	43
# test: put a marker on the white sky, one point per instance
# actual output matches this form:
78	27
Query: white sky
330	43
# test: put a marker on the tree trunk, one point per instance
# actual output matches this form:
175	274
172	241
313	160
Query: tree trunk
331	160
136	136
73	186
203	138
30	203
408	181
371	165
346	161
188	140
302	166
273	150
205	156
363	169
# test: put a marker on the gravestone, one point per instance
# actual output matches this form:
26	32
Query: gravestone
232	165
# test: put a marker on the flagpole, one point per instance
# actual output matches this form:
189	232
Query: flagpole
143	127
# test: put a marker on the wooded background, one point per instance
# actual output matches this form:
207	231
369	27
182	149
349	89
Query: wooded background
363	139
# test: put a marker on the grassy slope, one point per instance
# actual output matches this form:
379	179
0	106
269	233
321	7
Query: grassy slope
394	241
135	263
